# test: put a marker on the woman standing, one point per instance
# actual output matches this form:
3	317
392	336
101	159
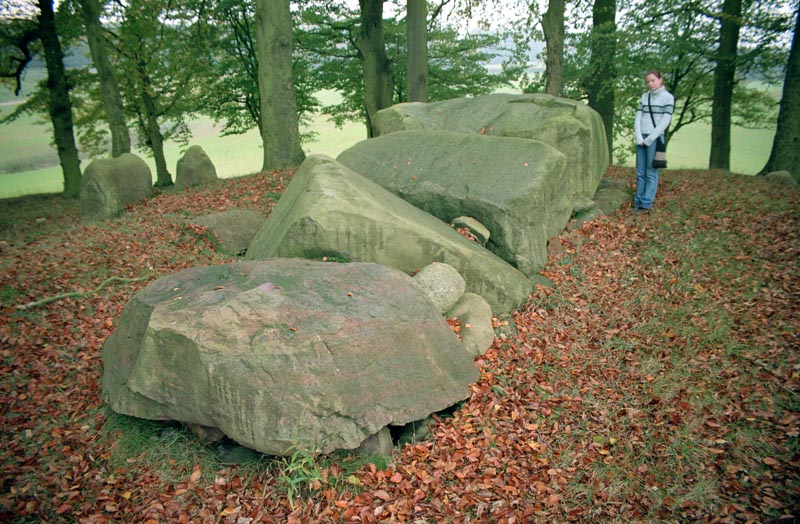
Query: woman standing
652	118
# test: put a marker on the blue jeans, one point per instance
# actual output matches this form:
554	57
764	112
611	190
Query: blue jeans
646	176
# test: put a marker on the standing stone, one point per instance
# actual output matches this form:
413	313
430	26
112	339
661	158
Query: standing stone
784	177
109	185
194	168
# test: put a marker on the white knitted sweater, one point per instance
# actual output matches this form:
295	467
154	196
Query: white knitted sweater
662	104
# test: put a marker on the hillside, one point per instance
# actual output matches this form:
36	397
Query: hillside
656	382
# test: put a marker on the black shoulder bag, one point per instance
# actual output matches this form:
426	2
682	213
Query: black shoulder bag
660	160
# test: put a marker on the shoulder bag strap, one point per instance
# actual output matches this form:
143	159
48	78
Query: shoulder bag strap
650	108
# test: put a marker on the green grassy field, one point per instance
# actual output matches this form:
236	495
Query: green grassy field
689	149
29	164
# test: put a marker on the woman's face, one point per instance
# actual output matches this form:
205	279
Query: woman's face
653	82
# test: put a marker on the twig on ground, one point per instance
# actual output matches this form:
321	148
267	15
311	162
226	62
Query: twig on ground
77	294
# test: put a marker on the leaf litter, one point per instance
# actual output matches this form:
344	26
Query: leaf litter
656	381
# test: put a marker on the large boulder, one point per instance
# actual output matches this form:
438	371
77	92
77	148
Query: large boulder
515	187
331	211
194	168
233	228
285	354
611	195
784	177
572	127
109	185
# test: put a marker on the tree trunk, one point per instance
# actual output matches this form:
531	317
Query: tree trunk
378	80
154	137
60	105
603	73
280	134
553	27
724	74
417	36
109	87
785	155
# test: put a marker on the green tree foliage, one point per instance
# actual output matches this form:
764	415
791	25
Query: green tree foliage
456	62
231	93
175	60
679	37
160	47
30	29
19	44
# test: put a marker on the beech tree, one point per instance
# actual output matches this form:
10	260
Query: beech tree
724	77
19	44
686	53
231	86
602	73
109	86
30	30
60	106
377	69
280	134
160	49
553	27
785	153
417	38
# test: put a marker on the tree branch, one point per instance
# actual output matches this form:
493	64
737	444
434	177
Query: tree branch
62	296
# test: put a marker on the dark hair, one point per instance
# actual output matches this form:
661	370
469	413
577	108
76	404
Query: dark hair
654	72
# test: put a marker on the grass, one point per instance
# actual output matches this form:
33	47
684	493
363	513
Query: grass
174	454
22	172
300	475
34	216
167	448
689	408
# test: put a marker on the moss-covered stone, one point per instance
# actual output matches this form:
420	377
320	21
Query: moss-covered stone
331	211
285	354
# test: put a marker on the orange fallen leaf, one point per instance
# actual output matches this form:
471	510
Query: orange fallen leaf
196	474
383	495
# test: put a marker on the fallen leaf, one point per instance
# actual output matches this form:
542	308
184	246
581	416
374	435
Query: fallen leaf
196	474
